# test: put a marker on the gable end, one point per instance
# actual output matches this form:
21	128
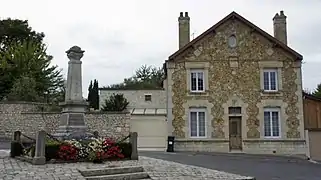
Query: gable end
232	16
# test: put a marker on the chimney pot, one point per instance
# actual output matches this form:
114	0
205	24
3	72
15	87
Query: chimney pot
282	13
183	29
279	27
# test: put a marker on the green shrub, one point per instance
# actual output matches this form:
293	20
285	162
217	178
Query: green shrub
16	149
126	149
30	151
51	150
116	102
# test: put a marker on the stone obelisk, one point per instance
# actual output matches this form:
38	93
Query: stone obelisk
72	119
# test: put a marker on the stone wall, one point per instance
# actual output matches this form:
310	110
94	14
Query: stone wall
262	146
28	118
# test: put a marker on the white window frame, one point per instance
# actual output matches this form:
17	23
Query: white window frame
276	80
270	110
190	79
197	110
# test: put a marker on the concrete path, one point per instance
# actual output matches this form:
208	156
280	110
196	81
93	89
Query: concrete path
258	166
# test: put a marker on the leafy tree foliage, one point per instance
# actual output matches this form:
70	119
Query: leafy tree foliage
89	97
93	94
96	94
317	91
24	61
145	77
307	91
116	102
24	89
17	31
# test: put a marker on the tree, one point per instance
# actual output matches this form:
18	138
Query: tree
29	59
307	91
150	75
317	91
24	89
16	30
23	54
95	95
116	102
89	98
145	77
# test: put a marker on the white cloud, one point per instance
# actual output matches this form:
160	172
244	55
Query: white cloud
119	36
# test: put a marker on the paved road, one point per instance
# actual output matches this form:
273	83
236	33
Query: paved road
4	145
258	166
261	167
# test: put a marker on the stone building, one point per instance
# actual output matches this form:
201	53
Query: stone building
139	98
235	88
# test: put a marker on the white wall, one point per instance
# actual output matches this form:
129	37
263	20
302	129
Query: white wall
136	98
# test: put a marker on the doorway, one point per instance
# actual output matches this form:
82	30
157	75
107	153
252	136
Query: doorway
235	126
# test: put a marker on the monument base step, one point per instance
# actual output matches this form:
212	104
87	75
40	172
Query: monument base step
131	172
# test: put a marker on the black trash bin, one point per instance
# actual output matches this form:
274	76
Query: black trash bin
170	143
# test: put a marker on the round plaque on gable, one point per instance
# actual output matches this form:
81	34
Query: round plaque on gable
232	41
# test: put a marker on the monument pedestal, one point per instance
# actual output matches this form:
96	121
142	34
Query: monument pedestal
72	121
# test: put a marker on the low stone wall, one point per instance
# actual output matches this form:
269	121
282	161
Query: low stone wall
260	146
27	118
201	145
275	146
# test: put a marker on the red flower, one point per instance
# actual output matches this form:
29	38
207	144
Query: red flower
67	152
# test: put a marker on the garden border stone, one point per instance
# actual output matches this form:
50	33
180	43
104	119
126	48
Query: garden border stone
40	148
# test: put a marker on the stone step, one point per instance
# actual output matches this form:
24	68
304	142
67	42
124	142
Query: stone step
111	171
127	176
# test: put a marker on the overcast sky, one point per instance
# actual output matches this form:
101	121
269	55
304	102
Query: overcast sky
121	35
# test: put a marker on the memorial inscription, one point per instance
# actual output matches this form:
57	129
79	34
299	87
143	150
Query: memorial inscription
76	120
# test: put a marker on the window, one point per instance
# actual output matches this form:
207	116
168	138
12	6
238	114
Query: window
270	80
197	81
272	122
235	110
197	123
148	97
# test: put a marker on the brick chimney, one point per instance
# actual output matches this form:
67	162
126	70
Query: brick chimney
183	29
279	26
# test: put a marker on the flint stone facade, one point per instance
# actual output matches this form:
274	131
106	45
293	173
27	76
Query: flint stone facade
233	77
28	118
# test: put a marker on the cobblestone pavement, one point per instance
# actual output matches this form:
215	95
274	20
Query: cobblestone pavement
11	169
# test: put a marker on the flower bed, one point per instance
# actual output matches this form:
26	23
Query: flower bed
93	150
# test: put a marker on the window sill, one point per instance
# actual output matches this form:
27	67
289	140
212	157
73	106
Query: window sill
204	93
200	140
235	115
272	137
271	93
